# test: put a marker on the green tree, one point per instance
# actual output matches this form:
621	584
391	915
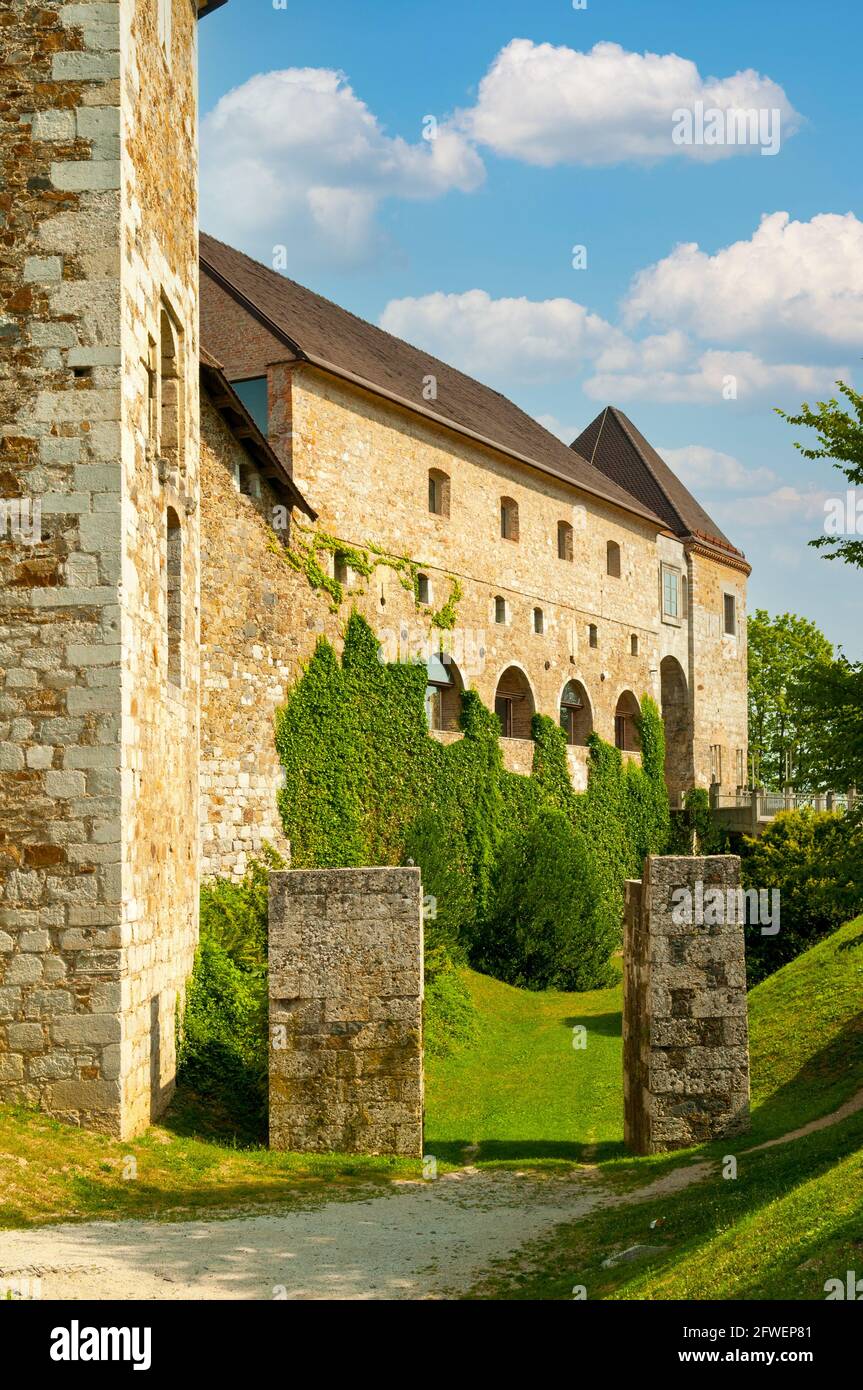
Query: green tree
840	439
783	738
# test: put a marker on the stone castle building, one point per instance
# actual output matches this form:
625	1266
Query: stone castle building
185	436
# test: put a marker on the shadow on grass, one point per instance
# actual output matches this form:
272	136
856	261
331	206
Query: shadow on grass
193	1116
523	1151
607	1025
827	1079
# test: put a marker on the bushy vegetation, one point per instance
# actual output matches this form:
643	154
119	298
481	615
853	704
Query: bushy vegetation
815	860
222	1042
365	783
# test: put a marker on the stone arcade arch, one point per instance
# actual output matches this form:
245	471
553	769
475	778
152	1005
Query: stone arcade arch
443	694
514	704
674	700
625	730
576	715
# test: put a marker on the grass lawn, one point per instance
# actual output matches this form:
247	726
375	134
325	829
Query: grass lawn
55	1172
523	1091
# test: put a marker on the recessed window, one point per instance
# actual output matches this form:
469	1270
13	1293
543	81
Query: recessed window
508	519
575	716
250	482
174	571
513	704
171	422
730	614
424	590
633	645
612	559
341	569
671	594
593	635
626	715
716	763
438	492
538	620
255	397
500	609
564	540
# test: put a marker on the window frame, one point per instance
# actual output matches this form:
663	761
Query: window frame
668	571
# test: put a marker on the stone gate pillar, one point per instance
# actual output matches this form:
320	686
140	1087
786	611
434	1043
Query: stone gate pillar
346	987
685	1039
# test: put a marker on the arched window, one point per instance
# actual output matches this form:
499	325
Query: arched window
438	492
625	730
576	718
564	540
514	704
538	620
593	635
443	693
508	519
633	645
500	609
174	571
171	423
612	559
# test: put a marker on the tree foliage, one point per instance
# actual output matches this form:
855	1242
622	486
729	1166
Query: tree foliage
783	740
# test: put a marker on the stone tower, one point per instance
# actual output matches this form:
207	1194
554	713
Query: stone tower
99	665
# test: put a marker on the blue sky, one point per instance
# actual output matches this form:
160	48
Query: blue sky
544	142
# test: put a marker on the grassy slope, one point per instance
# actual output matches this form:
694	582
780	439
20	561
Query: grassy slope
523	1091
793	1216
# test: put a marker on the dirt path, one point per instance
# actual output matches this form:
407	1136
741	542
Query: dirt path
416	1240
419	1240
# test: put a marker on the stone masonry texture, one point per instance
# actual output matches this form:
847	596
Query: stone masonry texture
346	973
98	749
685	1039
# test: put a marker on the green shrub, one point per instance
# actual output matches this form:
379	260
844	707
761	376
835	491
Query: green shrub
815	859
222	1043
552	928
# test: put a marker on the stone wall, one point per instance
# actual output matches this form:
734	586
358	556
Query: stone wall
685	1040
98	757
346	985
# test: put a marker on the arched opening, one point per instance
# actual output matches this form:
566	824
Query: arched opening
564	540
612	559
174	572
674	699
438	492
514	704
443	694
625	730
508	519
576	718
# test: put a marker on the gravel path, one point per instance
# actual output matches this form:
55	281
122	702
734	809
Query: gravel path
418	1240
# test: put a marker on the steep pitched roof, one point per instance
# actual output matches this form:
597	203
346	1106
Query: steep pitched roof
241	424
313	329
617	448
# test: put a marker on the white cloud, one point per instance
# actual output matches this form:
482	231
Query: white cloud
295	158
532	339
783	506
791	280
548	340
703	468
554	426
713	377
551	105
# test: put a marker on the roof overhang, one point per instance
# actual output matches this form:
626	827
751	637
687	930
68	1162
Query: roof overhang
207	6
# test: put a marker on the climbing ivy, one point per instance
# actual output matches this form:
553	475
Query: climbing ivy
308	543
361	771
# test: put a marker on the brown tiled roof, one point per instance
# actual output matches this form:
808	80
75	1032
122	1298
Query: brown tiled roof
291	322
241	424
617	448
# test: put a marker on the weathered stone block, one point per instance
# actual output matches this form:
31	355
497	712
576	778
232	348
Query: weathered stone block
346	1032
686	1056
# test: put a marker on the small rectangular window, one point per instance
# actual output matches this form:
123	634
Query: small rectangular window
500	610
423	588
716	763
730	604
593	635
670	594
538	621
